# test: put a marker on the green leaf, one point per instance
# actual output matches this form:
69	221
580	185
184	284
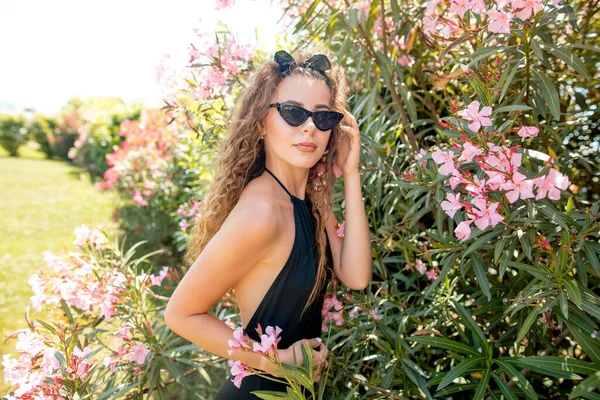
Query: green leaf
514	107
470	323
573	291
459	370
591	257
483	384
444	343
589	345
537	271
527	324
506	391
482	240
482	91
587	385
549	93
564	304
558	367
481	274
352	17
518	378
569	58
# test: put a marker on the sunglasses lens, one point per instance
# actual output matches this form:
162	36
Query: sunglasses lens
293	115
325	120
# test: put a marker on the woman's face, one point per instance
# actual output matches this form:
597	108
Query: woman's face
282	140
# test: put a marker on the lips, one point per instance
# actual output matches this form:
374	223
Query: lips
306	144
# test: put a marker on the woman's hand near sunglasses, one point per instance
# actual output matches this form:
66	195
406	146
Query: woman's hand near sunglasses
348	157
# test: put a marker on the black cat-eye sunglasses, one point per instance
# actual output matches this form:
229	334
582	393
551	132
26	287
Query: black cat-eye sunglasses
296	115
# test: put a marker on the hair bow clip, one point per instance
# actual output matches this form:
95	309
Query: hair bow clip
318	62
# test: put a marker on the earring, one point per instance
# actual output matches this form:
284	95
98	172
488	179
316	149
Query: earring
324	158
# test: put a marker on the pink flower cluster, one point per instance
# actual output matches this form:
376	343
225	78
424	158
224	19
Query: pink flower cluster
422	269
332	311
450	21
188	213
141	166
215	63
500	165
85	236
241	341
37	362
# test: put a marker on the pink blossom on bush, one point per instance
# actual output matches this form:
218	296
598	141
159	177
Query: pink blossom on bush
138	353
527	8
528	131
550	184
479	118
331	301
518	187
452	204
268	341
463	230
238	371
420	266
499	21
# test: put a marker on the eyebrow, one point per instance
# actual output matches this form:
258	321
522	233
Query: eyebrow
300	104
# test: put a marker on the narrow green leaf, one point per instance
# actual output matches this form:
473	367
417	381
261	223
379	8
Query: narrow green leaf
592	257
527	324
506	391
569	58
589	345
573	291
514	107
564	304
517	377
483	384
444	343
481	274
471	324
549	93
587	385
459	370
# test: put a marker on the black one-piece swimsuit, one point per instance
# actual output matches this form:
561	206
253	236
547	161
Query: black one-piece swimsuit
284	302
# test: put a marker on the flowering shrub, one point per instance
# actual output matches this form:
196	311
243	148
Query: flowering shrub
12	133
104	336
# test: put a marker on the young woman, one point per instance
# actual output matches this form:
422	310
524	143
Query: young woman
272	236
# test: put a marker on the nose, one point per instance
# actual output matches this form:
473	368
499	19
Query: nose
309	125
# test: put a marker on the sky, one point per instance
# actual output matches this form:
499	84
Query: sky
51	51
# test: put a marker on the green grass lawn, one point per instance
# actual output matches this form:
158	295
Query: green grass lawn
41	203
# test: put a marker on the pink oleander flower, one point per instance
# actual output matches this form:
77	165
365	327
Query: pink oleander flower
138	353
479	118
528	131
221	4
455	179
469	152
463	230
85	235
124	333
452	204
499	21
485	215
138	199
447	159
340	232
157	280
331	301
110	363
374	313
268	341
460	7
432	274
429	25
240	340
527	8
518	187
477	187
551	185
420	266
239	372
